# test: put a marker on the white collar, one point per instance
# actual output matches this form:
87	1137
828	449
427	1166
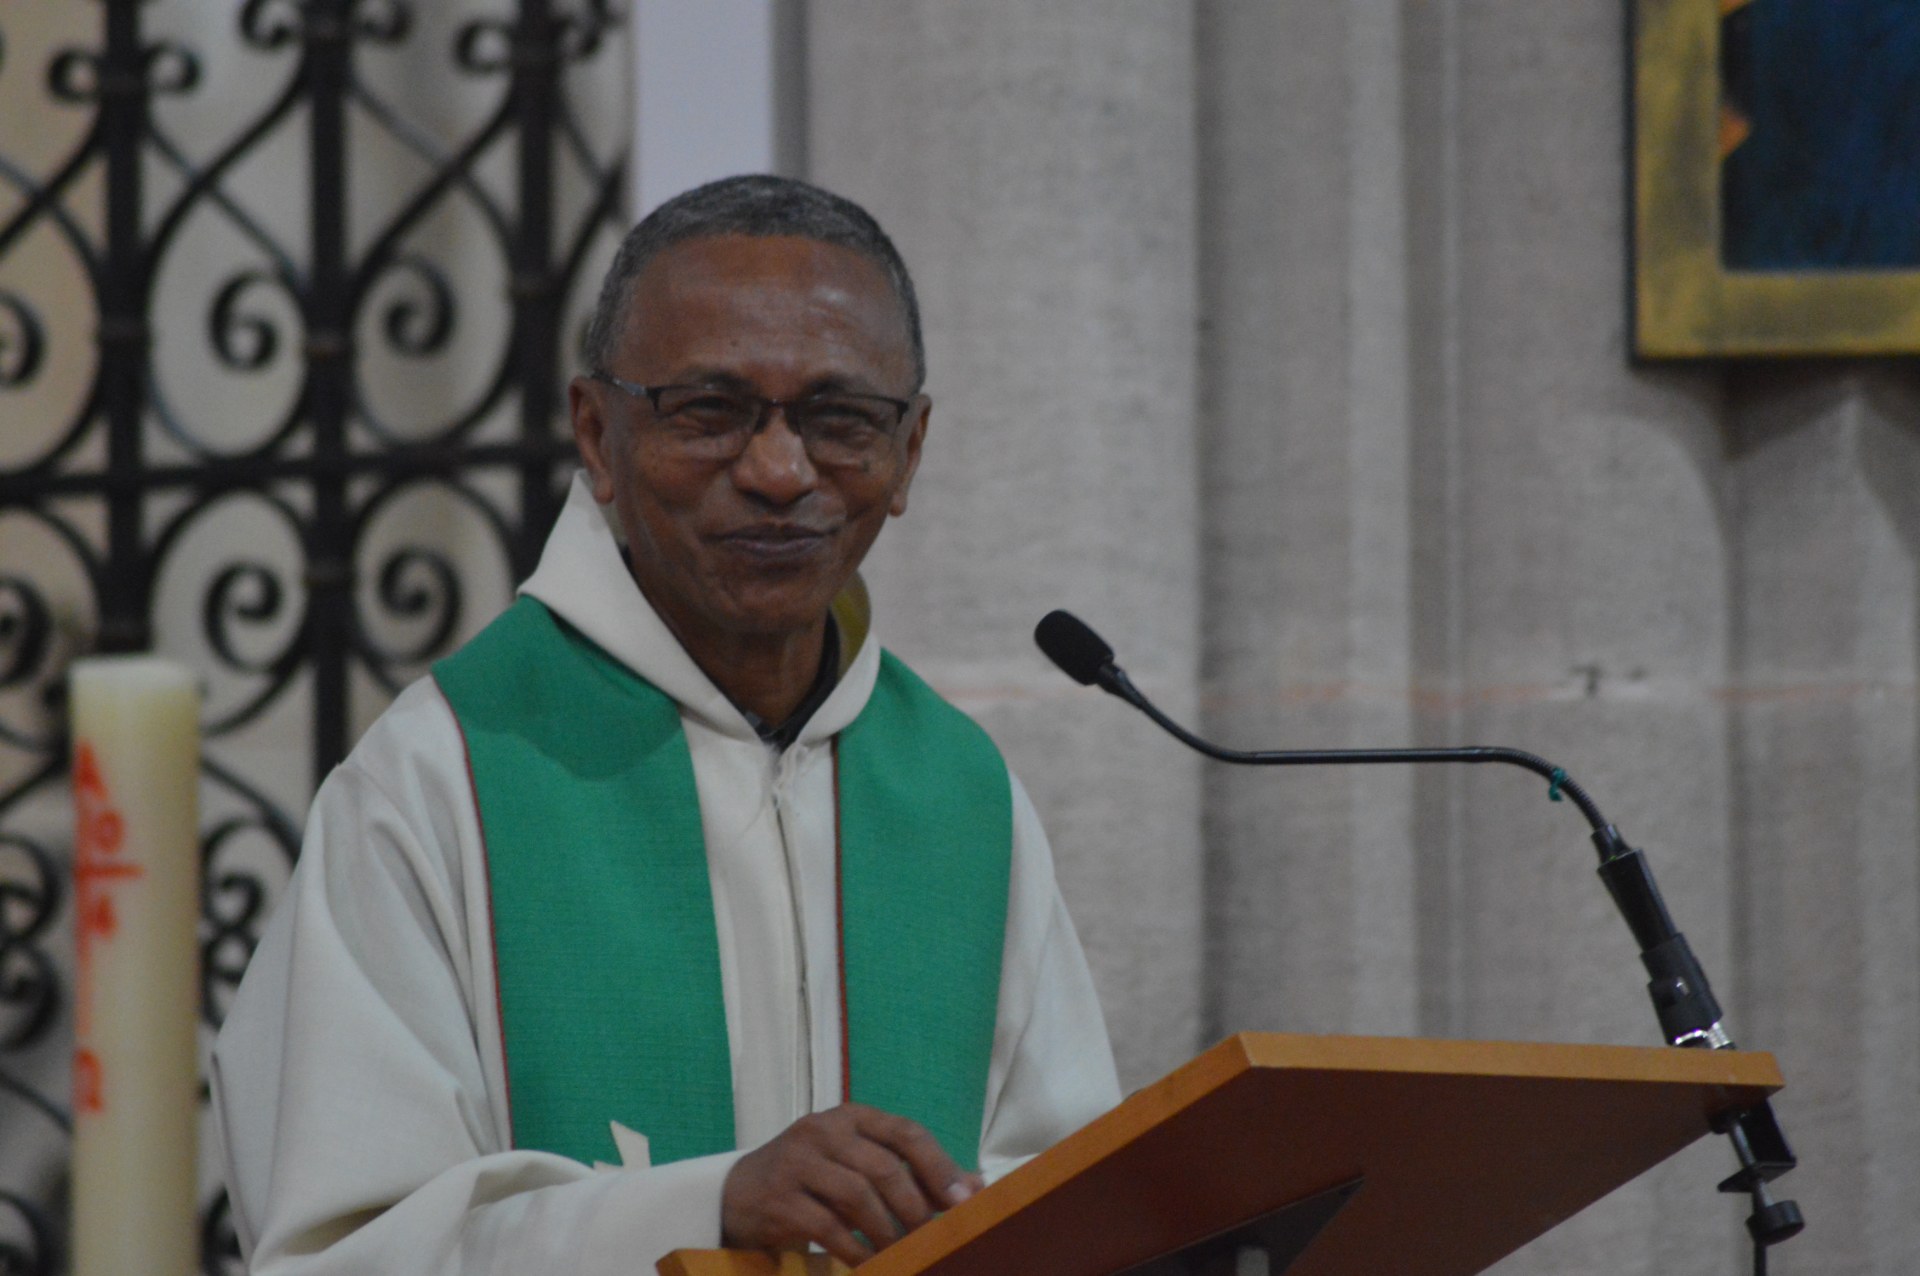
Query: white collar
583	578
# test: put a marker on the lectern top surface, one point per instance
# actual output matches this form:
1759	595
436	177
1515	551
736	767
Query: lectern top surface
1469	1149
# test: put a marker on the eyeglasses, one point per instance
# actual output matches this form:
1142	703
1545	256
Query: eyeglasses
711	423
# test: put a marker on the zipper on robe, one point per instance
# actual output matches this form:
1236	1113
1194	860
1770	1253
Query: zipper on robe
801	1098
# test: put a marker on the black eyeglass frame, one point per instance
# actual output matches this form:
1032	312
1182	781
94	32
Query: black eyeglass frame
651	395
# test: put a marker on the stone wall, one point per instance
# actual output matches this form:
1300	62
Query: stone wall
1287	343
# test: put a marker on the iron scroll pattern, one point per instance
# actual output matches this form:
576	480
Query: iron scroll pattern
337	595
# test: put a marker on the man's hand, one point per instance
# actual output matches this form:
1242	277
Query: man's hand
853	1169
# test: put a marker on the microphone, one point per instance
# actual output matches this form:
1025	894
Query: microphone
1688	1012
1082	654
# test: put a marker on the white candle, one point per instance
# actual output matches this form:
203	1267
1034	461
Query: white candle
136	869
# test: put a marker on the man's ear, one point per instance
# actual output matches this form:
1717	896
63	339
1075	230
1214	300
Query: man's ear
921	413
591	431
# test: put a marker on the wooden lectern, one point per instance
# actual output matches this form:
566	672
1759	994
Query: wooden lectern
1351	1156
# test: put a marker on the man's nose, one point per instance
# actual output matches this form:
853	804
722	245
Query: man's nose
775	465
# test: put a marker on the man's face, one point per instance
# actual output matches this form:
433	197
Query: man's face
756	547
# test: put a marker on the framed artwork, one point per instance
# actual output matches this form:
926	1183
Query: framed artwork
1776	177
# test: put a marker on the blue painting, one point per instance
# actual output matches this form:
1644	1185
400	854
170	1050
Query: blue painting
1820	135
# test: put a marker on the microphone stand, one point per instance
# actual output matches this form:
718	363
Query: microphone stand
1682	999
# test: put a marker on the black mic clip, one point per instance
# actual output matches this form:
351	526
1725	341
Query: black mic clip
1764	1156
1690	1016
1682	999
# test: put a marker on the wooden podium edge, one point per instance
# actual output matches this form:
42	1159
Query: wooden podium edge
1206	1072
1511	1058
740	1262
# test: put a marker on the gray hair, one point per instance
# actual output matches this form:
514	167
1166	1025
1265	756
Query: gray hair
755	205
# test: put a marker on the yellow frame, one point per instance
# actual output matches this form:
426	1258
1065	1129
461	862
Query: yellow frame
1686	304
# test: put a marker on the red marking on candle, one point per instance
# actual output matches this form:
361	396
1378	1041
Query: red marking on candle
89	1086
86	772
99	834
104	831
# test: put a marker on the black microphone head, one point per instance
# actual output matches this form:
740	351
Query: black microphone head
1075	648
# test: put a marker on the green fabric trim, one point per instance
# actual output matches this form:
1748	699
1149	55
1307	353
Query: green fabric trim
562	737
926	844
605	1018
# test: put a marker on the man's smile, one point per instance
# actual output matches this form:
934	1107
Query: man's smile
774	543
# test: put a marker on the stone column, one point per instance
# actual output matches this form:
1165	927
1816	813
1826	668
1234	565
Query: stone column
1825	476
1306	472
1035	164
1570	580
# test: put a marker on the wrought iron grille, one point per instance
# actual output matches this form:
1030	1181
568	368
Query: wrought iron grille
280	373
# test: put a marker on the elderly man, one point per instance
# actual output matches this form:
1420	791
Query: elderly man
672	911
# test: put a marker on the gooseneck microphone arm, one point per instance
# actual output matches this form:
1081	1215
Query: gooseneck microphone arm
1688	1012
1114	679
1682	999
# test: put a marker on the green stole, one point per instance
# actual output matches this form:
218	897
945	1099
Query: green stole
607	960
